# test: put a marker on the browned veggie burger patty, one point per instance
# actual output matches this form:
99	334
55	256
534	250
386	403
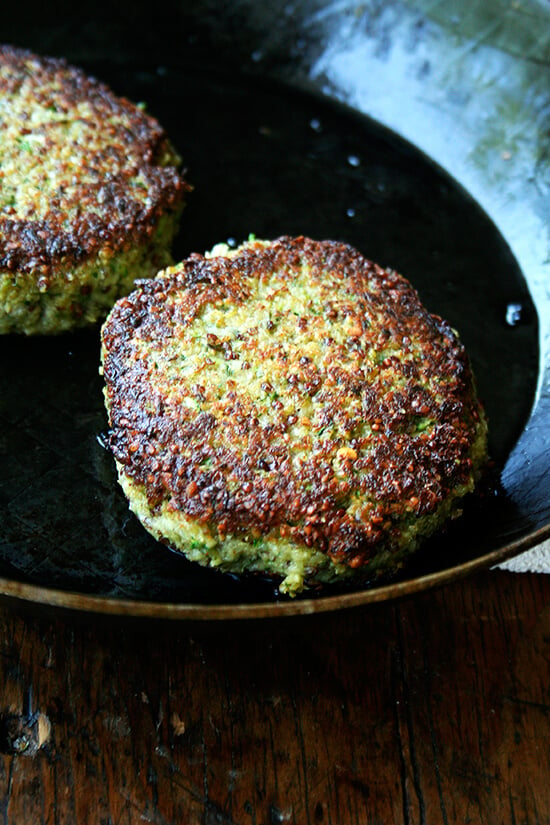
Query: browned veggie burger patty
90	195
289	407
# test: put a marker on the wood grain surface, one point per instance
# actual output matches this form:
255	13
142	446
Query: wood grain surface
433	710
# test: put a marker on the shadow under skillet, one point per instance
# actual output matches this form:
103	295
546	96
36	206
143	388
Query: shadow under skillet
270	160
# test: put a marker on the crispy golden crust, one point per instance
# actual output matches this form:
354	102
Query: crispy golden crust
331	410
81	170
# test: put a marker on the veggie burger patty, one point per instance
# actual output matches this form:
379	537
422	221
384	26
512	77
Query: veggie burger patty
290	408
90	195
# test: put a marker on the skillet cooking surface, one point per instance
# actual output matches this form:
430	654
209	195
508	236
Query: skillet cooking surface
270	160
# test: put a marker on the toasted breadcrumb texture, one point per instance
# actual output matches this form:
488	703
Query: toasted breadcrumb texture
290	408
91	193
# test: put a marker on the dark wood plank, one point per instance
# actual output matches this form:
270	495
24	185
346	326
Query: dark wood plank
433	710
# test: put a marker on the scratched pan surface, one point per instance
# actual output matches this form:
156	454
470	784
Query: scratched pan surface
269	159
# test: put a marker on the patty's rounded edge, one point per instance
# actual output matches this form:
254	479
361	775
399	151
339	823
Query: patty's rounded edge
335	467
91	195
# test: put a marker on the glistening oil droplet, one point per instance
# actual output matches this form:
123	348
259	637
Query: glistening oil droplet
514	314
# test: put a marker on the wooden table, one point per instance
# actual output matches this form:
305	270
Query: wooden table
432	710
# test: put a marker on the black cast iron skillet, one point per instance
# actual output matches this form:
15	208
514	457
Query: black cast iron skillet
268	158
